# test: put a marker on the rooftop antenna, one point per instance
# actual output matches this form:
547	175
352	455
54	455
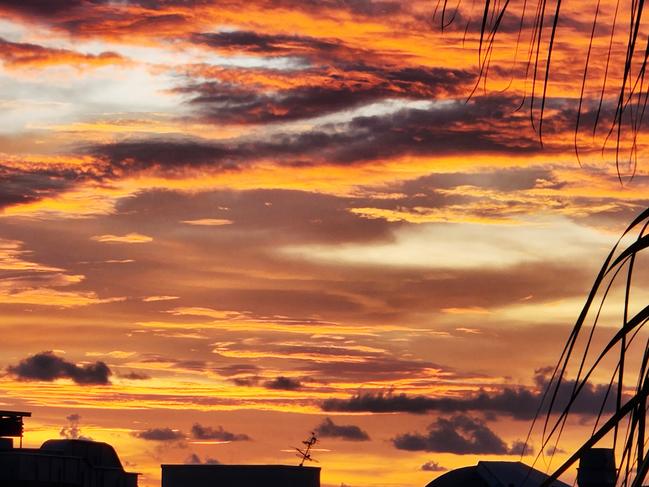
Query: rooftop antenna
305	454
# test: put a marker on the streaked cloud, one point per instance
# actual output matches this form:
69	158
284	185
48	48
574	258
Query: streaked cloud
466	246
113	354
153	299
25	281
209	222
129	238
23	55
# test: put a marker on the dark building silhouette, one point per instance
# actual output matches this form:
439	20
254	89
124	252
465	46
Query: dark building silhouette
239	476
597	468
494	474
11	426
64	463
57	463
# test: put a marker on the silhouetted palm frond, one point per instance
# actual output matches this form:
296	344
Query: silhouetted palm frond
624	350
607	39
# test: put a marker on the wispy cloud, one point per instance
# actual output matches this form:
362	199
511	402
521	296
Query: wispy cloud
129	238
209	222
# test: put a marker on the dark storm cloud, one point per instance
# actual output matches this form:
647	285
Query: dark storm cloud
333	76
223	102
459	434
520	403
449	129
283	383
452	128
366	73
47	367
160	434
359	7
442	129
350	432
439	130
200	432
41	8
256	42
164	18
27	185
164	154
101	18
367	8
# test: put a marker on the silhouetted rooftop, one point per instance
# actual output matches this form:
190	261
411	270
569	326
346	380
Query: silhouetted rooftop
240	476
69	463
96	453
11	414
494	474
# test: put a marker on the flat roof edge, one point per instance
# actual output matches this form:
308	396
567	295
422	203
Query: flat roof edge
23	414
219	465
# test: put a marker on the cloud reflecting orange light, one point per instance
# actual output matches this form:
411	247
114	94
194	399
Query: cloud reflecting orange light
299	205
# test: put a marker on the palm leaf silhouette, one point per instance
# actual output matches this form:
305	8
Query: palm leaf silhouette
613	95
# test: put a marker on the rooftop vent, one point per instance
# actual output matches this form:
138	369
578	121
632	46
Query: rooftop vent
597	468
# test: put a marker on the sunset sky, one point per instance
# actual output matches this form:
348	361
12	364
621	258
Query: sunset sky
226	224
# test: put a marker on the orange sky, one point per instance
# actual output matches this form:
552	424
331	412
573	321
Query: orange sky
254	216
